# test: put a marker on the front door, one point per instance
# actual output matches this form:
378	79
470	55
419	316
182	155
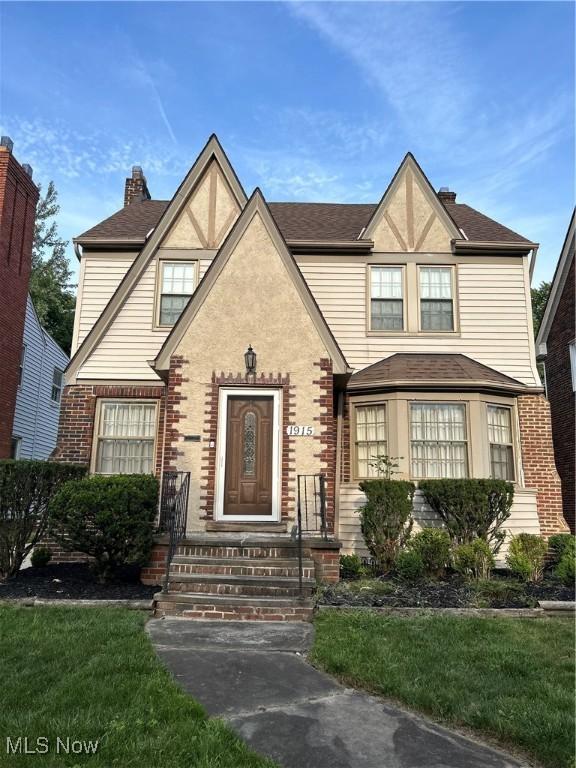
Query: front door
249	451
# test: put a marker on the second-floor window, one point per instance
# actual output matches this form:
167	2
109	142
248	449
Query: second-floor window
176	287
438	440
500	439
386	299
56	385
436	299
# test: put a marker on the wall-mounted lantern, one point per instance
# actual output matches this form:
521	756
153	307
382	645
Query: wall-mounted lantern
250	360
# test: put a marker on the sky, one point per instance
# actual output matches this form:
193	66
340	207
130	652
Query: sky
311	101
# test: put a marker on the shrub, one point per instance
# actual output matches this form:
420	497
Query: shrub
352	567
474	560
471	509
41	557
565	571
409	565
526	556
505	593
25	489
559	545
386	519
433	546
109	517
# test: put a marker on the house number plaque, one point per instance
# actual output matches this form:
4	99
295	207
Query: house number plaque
295	430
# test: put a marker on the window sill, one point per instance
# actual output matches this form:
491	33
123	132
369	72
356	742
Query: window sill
416	334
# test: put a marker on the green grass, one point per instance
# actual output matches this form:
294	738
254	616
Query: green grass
509	679
92	674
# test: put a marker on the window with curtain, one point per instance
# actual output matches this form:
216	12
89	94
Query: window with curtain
501	445
438	440
56	385
126	438
436	299
370	437
177	285
386	299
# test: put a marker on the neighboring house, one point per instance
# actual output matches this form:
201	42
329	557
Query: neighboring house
39	391
18	197
248	343
556	347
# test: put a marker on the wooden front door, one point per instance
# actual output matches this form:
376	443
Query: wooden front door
249	446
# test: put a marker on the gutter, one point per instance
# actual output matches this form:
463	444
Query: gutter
442	385
481	246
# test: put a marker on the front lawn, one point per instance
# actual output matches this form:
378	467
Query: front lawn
91	674
510	679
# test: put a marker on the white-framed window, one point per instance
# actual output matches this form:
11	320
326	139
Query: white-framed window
436	299
56	385
125	437
386	298
501	442
16	447
21	367
573	364
370	439
438	440
176	287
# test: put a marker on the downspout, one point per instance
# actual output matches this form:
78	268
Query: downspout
338	467
533	262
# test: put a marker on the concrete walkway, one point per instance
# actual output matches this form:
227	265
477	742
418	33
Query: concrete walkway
254	675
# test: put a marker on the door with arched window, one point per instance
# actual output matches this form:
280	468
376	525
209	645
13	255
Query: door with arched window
248	461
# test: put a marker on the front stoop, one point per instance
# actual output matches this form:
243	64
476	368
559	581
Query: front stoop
241	577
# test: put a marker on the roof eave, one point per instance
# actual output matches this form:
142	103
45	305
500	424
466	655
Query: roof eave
442	385
323	246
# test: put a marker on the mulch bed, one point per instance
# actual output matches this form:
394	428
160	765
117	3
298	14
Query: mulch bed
452	592
75	581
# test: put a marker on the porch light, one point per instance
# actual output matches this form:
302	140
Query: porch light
250	360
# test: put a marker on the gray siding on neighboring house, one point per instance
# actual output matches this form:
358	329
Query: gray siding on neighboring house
36	416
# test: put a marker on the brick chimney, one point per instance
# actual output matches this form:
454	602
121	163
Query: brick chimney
136	188
18	198
446	196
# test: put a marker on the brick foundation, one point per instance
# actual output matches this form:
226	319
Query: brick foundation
538	461
154	572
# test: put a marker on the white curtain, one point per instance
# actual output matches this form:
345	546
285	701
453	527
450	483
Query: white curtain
438	440
370	437
126	438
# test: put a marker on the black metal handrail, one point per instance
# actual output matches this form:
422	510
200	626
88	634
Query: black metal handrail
173	513
311	513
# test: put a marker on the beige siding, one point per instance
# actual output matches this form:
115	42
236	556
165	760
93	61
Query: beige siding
493	309
131	340
524	518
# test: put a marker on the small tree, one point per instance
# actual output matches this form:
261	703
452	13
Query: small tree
108	517
386	519
25	490
385	466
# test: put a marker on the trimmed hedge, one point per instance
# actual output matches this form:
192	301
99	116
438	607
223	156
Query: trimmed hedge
472	508
386	519
110	517
25	490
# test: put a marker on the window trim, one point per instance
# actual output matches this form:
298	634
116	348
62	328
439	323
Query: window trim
377	332
364	403
170	259
54	386
455	300
125	401
21	365
17	452
572	354
469	463
512	443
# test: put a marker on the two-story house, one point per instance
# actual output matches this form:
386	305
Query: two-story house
259	345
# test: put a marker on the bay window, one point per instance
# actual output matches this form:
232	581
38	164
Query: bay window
177	285
125	438
438	440
501	445
370	439
386	299
436	299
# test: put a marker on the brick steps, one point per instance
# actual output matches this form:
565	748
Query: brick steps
238	577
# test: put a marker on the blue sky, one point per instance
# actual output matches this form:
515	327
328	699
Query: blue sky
312	101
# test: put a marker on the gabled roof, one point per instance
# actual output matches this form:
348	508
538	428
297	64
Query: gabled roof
256	205
432	370
212	150
557	288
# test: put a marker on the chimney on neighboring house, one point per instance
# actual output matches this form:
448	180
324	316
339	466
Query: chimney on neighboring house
18	198
446	196
136	188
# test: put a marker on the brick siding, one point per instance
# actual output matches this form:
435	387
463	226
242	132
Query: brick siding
327	436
